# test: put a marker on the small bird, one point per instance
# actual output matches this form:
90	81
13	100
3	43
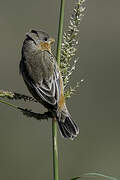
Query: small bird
43	79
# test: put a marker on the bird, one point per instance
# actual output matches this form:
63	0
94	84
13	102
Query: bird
43	79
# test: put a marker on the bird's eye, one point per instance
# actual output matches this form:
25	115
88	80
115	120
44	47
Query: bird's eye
45	39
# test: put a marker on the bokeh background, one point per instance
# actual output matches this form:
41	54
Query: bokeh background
25	145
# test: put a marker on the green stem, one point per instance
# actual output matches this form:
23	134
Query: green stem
55	149
12	105
54	122
60	31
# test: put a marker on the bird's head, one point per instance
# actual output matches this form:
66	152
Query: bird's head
39	40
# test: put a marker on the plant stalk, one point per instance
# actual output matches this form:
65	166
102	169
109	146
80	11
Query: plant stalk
9	104
54	122
55	149
60	31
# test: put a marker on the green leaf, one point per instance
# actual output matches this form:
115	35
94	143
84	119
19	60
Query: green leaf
89	175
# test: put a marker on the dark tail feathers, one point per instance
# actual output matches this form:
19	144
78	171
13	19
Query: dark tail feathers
68	128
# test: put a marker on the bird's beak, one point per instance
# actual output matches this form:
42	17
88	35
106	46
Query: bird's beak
51	40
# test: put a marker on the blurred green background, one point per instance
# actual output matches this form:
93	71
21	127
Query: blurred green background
25	145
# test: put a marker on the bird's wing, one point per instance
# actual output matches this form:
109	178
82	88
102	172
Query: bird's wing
47	89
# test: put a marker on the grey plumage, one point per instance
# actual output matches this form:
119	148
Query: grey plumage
42	77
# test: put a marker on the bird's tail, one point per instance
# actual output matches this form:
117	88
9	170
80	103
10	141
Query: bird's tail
67	126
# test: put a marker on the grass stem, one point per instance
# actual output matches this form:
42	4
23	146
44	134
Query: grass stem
9	104
54	122
55	149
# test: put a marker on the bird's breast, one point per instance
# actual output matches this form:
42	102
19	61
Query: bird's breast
40	66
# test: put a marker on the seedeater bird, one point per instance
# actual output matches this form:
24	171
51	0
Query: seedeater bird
42	76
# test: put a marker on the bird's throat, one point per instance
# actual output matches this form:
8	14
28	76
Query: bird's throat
45	46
